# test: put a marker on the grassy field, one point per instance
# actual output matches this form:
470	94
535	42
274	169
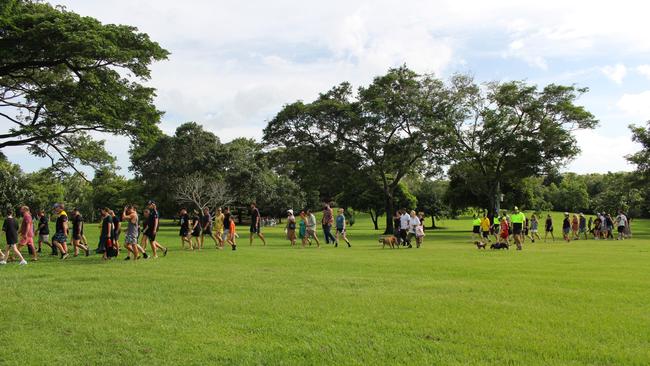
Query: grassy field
584	303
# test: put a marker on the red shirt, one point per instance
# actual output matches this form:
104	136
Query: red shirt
28	225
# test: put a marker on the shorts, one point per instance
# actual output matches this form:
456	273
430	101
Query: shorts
476	229
76	236
131	239
29	241
486	234
291	234
340	231
549	229
583	230
311	232
621	229
516	228
116	235
504	235
533	231
44	237
151	236
196	233
255	229
184	233
207	232
60	238
225	234
566	230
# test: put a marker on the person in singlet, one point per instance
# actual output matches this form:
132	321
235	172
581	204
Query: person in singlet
341	228
291	227
152	230
218	228
130	215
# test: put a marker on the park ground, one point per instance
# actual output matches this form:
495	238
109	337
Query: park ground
583	303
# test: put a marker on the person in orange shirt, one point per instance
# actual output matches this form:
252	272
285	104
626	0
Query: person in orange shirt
231	234
485	228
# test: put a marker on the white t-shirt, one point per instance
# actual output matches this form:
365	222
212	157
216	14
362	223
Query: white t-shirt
622	220
404	221
415	222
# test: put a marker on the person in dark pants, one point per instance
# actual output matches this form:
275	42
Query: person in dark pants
327	221
404	219
10	227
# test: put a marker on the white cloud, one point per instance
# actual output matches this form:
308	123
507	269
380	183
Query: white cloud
615	73
644	70
600	154
636	105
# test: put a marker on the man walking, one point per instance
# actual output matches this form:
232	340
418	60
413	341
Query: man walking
404	227
206	225
10	227
61	230
27	232
255	224
327	221
518	219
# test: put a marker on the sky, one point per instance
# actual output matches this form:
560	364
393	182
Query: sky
234	64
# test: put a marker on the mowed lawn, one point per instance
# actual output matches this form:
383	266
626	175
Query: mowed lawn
584	303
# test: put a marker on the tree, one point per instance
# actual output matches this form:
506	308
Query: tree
505	132
12	190
64	77
393	127
641	159
571	195
202	192
174	158
430	199
285	194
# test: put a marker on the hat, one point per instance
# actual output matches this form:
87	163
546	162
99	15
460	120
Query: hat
566	214
516	208
290	211
56	205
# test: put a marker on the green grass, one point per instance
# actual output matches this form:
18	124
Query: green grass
585	303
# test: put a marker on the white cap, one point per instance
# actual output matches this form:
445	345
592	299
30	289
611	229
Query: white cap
290	211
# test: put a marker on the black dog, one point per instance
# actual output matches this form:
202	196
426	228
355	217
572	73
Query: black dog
498	246
479	245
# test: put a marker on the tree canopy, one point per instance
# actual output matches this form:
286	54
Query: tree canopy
64	77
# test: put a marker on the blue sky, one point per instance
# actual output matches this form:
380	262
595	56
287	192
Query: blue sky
234	64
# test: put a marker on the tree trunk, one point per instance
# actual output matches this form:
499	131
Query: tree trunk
433	222
374	219
388	205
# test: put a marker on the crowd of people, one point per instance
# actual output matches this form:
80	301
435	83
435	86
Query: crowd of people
517	227
408	226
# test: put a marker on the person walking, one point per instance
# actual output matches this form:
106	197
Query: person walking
184	232
61	231
291	227
206	226
326	222
44	232
77	232
566	227
534	228
396	227
153	224
232	234
404	227
109	250
621	223
130	215
341	229
256	224
27	233
10	228
582	226
218	228
196	230
476	228
548	228
485	228
517	219
311	228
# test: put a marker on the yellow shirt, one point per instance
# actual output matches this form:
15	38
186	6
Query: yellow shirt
485	224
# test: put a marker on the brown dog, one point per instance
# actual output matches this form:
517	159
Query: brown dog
391	241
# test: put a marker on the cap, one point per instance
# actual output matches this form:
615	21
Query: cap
290	211
566	214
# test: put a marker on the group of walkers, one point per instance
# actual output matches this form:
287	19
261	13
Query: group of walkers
194	230
408	226
306	228
517	226
136	239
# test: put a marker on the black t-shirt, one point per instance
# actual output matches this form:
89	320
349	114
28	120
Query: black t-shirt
10	227
185	221
44	226
226	220
549	224
106	222
77	224
197	228
153	215
566	224
254	216
205	220
59	222
117	220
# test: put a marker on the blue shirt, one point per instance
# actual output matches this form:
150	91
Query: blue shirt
340	222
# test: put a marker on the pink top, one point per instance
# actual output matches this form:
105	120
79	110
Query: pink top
29	225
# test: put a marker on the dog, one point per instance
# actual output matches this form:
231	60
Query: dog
479	245
498	246
391	241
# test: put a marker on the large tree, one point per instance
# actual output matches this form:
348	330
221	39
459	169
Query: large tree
507	131
65	77
393	127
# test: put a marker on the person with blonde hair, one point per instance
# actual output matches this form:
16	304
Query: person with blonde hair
341	229
27	233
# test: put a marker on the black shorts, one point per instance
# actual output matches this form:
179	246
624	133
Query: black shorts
255	229
486	234
621	229
116	235
207	232
151	236
549	229
340	231
196	233
76	236
476	230
516	228
184	232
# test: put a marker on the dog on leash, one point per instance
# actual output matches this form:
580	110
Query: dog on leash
479	245
391	241
499	246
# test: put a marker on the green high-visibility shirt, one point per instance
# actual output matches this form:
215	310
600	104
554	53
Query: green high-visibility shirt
476	222
518	218
496	220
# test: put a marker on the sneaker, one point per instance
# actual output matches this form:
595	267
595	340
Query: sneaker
65	256
336	245
127	258
145	255
39	250
3	262
87	252
23	262
349	245
234	247
165	252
